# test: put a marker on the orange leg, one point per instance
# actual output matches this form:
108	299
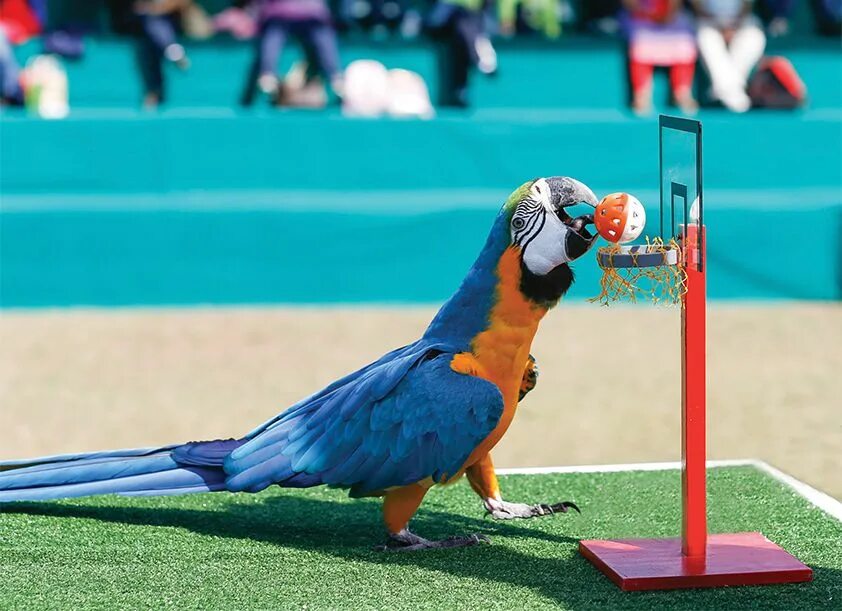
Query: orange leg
400	505
482	478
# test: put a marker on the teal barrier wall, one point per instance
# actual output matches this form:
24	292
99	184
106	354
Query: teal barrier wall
120	257
135	153
211	205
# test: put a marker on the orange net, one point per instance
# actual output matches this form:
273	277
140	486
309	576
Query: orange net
662	283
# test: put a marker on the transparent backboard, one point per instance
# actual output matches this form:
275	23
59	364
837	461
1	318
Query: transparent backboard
682	200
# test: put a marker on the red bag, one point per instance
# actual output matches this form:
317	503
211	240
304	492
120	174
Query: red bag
776	84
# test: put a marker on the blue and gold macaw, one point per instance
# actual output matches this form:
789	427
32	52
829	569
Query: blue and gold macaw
422	415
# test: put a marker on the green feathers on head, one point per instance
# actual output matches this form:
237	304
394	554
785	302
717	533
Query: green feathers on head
516	197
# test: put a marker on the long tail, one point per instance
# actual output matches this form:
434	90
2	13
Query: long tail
175	469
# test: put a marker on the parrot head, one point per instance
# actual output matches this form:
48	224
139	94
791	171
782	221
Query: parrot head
527	255
547	236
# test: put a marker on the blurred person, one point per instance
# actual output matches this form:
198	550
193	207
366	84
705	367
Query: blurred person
660	34
11	89
460	27
19	21
731	42
310	22
542	16
158	43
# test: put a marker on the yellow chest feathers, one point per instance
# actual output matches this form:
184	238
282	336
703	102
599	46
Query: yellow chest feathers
500	352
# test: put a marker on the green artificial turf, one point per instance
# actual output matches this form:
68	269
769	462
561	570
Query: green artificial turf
312	548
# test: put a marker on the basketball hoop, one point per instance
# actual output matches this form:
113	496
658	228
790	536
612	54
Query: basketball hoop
653	271
671	268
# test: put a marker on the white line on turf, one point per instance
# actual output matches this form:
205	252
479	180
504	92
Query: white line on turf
823	501
644	466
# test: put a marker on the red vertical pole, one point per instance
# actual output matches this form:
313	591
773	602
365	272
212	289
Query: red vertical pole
693	451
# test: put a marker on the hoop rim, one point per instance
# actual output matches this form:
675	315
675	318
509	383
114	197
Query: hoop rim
637	255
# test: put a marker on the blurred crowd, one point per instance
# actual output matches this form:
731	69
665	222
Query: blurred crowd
726	37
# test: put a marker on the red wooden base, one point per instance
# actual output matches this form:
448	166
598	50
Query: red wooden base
740	559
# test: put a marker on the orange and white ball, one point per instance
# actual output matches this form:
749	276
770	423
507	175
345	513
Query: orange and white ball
620	218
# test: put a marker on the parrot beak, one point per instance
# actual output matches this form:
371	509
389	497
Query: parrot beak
566	192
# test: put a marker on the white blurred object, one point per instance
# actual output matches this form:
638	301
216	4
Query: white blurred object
694	210
370	90
408	95
45	87
487	55
635	221
366	89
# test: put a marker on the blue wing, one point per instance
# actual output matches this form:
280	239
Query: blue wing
412	351
396	422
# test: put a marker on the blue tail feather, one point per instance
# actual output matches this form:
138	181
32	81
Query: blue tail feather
52	461
175	469
85	472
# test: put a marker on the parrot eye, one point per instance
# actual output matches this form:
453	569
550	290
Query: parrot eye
518	223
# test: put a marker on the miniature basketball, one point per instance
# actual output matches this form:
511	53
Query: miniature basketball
620	218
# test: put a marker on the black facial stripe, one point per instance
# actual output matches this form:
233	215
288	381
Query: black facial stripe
530	204
527	228
532	213
543	216
526	232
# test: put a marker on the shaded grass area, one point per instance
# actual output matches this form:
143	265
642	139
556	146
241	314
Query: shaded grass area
312	548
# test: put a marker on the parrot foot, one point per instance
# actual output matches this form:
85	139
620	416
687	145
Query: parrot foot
502	510
405	541
530	378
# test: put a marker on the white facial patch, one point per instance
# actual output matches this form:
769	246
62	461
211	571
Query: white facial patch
549	248
539	232
541	190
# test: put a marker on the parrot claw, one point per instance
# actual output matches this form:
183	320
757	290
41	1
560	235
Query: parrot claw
502	510
562	507
405	541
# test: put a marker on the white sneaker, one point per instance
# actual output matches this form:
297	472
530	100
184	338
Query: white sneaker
487	55
267	83
177	55
736	101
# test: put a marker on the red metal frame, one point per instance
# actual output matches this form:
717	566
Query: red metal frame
695	560
693	424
